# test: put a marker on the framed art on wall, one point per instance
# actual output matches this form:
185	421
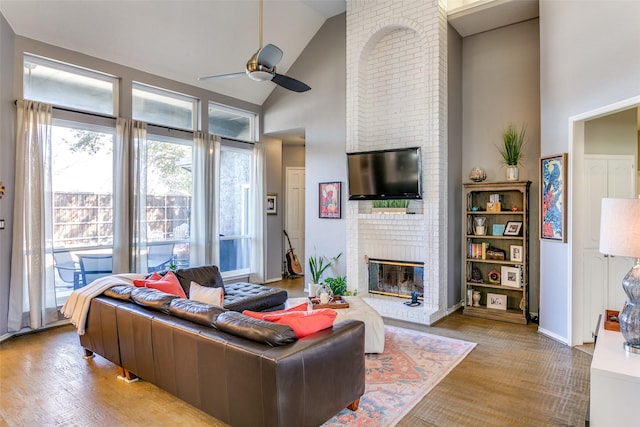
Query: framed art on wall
553	197
272	203
330	197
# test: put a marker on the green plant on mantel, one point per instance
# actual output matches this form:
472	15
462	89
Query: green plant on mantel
318	265
338	285
391	203
512	143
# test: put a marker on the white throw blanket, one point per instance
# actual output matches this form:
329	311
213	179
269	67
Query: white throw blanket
77	306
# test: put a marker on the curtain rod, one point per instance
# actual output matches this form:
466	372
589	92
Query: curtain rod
107	116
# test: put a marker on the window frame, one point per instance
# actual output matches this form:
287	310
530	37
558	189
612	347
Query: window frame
80	71
253	120
162	92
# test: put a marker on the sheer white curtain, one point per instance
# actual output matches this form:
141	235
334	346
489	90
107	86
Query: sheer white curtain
129	197
257	218
204	246
32	299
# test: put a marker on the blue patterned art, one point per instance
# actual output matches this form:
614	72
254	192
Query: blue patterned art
553	176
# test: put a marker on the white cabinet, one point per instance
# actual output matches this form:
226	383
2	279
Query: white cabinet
615	383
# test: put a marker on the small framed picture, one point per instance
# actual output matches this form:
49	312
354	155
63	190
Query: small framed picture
510	277
329	200
553	197
516	253
272	203
512	228
497	301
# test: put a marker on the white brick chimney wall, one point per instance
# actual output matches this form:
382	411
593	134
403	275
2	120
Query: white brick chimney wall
397	97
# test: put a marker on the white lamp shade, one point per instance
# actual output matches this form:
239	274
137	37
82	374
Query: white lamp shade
620	227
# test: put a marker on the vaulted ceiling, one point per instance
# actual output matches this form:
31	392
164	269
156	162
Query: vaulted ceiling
176	39
186	39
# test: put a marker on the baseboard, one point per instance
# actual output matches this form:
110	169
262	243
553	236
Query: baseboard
553	336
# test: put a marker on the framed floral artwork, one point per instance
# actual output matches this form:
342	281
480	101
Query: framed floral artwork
330	194
553	197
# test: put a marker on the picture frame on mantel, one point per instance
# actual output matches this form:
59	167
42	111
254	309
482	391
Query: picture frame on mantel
330	198
553	198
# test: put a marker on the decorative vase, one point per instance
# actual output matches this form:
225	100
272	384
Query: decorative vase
324	293
477	175
479	226
513	174
476	298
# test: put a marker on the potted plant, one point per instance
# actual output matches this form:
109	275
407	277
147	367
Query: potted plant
338	285
390	206
511	150
318	265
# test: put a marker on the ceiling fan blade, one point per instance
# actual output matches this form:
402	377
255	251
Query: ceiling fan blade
269	56
290	83
222	76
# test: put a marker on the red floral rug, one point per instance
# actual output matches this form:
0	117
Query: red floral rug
412	364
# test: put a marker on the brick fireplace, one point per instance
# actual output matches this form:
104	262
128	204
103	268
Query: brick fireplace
397	97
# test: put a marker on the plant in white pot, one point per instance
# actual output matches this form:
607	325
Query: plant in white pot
317	266
512	150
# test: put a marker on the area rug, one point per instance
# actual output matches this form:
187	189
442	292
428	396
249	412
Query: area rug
412	364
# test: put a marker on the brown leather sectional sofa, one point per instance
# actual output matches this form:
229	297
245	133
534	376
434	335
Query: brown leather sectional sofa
242	371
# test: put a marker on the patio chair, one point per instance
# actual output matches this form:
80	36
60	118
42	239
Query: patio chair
94	266
160	257
68	269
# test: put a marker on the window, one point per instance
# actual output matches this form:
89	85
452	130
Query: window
66	85
168	202
235	240
163	107
231	122
82	199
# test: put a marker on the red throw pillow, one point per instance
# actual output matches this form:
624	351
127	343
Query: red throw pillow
142	283
305	323
261	314
168	284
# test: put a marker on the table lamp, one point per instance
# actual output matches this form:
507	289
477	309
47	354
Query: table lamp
620	236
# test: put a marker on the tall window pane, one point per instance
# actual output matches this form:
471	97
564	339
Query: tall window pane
168	203
234	209
69	86
163	107
82	187
231	123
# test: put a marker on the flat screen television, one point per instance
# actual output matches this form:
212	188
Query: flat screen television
388	174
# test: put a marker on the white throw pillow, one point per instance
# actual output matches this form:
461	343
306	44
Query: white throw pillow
211	296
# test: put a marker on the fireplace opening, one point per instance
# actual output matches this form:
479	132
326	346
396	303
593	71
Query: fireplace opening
396	278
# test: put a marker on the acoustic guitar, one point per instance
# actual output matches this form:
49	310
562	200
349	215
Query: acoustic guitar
293	265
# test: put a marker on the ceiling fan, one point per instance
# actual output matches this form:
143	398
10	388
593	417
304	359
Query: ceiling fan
262	67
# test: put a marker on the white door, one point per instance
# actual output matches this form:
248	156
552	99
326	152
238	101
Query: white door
294	211
605	176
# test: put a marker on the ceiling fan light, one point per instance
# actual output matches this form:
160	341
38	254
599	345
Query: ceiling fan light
260	76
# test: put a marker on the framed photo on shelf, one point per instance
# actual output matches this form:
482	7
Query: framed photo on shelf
330	197
272	203
497	301
512	228
515	253
553	197
510	277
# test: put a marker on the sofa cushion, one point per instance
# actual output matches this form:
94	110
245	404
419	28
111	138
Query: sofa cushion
153	299
211	296
168	283
261	314
195	311
121	292
207	275
305	322
242	296
257	330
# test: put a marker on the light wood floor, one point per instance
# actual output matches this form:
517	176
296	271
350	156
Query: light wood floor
514	377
